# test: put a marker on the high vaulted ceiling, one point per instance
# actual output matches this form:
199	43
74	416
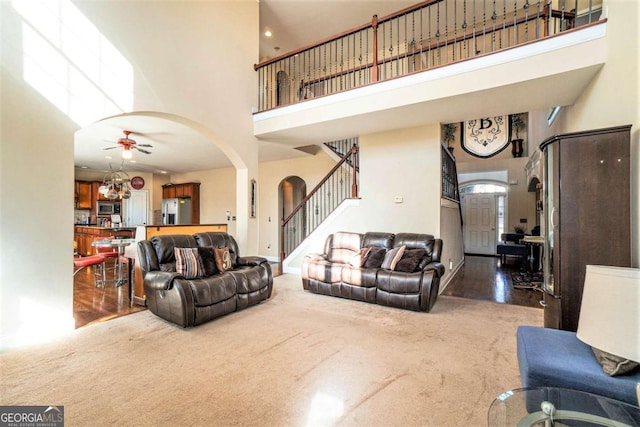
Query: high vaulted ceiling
176	148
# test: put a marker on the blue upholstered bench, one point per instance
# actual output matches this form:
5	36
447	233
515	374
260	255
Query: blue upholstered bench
556	358
510	246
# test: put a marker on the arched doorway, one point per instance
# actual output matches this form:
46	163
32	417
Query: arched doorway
291	191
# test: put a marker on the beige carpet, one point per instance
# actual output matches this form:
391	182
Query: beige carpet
299	359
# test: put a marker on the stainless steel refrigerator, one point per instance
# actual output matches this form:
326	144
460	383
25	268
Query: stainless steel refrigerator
176	211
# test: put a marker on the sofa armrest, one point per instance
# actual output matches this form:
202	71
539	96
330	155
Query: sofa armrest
251	261
161	280
315	257
436	266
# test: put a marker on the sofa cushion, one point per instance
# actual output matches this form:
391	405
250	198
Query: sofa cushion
163	246
343	246
430	244
397	282
223	259
380	239
211	290
375	258
360	258
208	256
189	263
355	276
324	271
392	257
169	267
410	260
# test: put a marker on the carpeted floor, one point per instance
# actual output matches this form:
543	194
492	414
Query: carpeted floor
298	359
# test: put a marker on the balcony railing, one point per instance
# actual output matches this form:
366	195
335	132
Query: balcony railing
422	37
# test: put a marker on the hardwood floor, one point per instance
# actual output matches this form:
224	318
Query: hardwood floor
485	278
481	278
96	304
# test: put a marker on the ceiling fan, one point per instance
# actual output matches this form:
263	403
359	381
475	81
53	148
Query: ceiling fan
129	144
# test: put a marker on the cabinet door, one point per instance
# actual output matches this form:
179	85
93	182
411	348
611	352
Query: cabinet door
594	211
169	192
180	190
187	190
83	194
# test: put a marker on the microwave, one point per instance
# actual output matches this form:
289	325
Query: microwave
108	208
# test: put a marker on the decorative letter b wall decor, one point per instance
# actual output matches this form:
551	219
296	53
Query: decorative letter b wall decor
486	137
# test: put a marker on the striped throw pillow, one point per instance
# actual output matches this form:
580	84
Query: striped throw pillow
189	263
392	257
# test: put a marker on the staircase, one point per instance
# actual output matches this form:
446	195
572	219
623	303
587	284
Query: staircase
339	184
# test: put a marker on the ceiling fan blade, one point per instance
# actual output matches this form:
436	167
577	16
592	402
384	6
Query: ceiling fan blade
110	148
144	145
142	151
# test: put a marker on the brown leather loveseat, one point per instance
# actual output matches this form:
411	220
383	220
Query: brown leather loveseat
193	301
399	270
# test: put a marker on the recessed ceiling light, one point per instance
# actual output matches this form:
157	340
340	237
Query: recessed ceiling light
268	33
132	161
108	157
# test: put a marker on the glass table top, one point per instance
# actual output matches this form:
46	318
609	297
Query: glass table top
550	406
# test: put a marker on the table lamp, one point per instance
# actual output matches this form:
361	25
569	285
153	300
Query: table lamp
610	311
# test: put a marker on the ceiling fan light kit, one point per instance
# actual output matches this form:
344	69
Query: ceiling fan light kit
128	145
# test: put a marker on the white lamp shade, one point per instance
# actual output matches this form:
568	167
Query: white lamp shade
610	310
126	154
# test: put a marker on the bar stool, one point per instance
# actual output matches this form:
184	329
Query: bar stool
84	262
106	253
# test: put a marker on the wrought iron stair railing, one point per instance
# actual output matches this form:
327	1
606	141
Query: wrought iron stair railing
339	184
341	147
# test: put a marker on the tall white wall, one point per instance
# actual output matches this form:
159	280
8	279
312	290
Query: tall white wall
36	217
402	164
191	59
613	97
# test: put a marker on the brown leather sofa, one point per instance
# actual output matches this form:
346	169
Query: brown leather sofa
411	285
190	302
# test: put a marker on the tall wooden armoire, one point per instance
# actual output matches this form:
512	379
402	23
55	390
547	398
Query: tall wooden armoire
587	215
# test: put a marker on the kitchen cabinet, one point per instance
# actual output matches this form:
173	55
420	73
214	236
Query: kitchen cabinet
587	220
190	190
83	194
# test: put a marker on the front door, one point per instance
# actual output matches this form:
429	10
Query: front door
479	213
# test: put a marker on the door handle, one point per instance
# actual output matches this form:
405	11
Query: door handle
542	303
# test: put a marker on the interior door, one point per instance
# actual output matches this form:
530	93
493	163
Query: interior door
136	208
479	213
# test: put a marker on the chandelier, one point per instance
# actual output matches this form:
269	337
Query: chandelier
116	185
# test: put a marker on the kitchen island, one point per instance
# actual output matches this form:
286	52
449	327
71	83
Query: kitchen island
83	235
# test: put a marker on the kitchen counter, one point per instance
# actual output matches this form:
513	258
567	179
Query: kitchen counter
148	231
98	227
83	235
